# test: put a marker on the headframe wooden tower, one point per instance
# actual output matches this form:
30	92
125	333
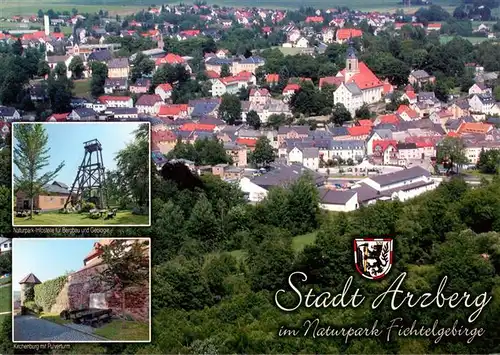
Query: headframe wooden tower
90	180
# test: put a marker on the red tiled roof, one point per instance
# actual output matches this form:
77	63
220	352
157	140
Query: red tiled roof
411	95
171	59
407	110
365	79
346	33
272	78
291	87
59	117
249	142
316	19
368	123
165	87
190	32
331	80
163	136
212	74
197	127
384	144
474	127
172	110
434	25
262	92
359	130
391	118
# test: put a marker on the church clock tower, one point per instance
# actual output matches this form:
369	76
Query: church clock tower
352	64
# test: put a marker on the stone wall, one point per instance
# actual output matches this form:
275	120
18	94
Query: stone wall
134	301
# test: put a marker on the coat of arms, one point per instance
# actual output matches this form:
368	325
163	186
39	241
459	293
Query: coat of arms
373	257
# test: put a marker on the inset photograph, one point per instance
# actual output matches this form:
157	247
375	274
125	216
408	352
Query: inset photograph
89	174
81	290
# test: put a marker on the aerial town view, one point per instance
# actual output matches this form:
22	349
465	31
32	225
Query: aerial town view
320	177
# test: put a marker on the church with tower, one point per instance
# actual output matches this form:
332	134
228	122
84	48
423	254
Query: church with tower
359	86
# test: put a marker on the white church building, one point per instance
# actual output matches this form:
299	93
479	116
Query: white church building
360	85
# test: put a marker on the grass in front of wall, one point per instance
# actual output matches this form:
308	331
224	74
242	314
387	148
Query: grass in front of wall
122	330
53	317
81	219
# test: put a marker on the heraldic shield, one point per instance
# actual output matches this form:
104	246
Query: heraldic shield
373	257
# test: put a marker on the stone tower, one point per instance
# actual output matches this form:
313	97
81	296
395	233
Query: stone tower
27	283
351	64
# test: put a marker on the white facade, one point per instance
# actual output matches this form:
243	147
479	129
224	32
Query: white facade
5	245
350	205
150	110
345	97
255	192
120	103
164	94
400	184
302	43
295	156
311	163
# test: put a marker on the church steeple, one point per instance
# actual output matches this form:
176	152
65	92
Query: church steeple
352	64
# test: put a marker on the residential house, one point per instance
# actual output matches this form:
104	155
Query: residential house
291	132
113	85
479	88
55	59
5	245
256	188
460	108
82	114
343	35
141	86
122	113
118	68
338	200
116	101
345	149
302	42
419	78
249	64
164	91
482	103
149	104
473	149
9	114
259	96
238	153
173	111
385	152
52	198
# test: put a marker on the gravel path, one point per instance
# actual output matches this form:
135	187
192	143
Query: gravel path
31	328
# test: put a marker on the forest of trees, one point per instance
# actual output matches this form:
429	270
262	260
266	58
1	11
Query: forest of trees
206	300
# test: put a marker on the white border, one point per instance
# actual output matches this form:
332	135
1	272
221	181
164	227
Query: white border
73	341
79	225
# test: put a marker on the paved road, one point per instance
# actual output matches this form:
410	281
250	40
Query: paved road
30	328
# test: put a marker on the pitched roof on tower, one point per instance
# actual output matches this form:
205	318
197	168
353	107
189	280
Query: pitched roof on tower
30	279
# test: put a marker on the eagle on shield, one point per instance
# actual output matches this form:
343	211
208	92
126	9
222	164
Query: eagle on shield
373	257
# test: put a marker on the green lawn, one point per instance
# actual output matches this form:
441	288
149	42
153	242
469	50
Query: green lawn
6	280
82	88
76	219
5	299
298	243
53	317
124	331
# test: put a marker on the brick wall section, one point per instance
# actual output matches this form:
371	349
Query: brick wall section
134	299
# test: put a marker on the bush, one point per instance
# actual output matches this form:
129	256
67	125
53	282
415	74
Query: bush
5	263
29	293
32	306
87	206
46	293
63	211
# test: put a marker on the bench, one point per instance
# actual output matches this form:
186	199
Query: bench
93	317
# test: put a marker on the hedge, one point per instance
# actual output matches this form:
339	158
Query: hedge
46	293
